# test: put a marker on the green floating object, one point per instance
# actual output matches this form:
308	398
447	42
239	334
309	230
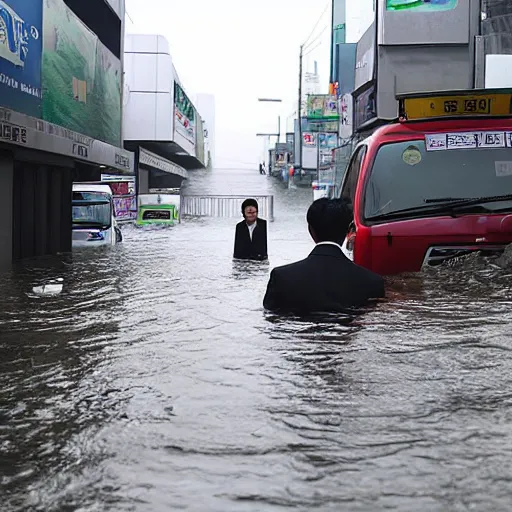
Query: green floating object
157	214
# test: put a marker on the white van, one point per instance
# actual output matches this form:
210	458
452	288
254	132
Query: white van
94	220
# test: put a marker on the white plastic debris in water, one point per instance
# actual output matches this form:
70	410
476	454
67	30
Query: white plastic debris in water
51	288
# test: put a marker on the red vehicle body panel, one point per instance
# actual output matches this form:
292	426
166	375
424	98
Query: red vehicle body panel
401	245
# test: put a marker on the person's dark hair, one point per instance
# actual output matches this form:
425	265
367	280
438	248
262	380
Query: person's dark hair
249	202
330	219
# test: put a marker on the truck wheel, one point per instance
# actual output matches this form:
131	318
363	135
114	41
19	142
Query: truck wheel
119	235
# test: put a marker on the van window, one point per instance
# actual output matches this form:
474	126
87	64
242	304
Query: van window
156	215
405	175
348	189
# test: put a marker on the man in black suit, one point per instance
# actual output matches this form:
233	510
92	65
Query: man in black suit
251	234
326	281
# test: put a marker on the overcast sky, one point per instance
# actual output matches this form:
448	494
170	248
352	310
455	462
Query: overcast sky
239	50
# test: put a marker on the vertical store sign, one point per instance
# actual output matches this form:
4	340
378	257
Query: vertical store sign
346	116
184	115
21	24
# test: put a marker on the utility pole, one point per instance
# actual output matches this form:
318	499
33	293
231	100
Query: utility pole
332	43
299	109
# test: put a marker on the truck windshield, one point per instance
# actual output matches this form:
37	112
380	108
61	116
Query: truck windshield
92	210
406	178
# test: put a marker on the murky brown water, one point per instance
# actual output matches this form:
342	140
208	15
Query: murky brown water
155	382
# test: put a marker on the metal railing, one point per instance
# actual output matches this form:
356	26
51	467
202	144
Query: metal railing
224	206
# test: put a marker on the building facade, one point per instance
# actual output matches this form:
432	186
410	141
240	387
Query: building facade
159	116
61	83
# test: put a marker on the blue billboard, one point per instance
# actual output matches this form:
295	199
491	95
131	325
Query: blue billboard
21	46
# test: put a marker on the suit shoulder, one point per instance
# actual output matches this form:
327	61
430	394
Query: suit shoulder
290	267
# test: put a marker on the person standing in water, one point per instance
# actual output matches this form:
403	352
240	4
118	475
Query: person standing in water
251	234
326	281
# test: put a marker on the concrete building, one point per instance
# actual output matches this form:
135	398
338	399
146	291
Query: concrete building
419	47
60	115
160	123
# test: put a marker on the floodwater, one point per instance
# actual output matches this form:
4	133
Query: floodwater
154	381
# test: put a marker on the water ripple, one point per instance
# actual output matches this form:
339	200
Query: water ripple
155	381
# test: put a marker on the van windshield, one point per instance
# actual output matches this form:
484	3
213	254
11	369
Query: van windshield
405	176
92	210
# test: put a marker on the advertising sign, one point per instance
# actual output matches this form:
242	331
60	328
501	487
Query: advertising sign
54	68
420	5
309	151
365	108
184	115
346	115
125	207
30	132
200	139
409	22
81	78
125	199
21	40
327	140
322	106
485	103
317	125
365	58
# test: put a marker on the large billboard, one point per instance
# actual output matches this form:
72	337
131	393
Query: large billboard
409	22
420	5
322	106
54	68
81	78
21	40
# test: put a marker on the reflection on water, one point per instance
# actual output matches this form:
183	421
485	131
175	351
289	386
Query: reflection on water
155	381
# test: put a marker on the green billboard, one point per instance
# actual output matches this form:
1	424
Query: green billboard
80	78
322	106
420	5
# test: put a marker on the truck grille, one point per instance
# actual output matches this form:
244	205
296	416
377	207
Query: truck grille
437	255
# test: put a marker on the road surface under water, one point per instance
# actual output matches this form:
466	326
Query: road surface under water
154	381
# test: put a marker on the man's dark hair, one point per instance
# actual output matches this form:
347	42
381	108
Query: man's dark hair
330	219
249	202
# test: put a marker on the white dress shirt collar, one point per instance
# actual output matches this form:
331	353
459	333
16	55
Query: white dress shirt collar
251	228
331	243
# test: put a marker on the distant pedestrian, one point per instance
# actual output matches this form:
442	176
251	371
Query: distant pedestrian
251	234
